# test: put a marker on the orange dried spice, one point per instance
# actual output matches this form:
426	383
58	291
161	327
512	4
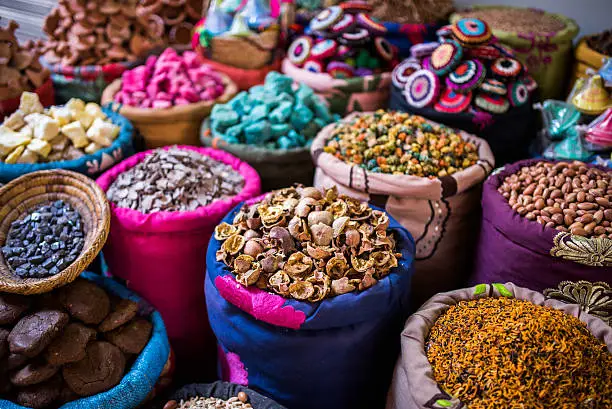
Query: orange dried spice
506	353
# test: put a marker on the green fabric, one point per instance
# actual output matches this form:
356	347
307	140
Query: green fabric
548	58
66	88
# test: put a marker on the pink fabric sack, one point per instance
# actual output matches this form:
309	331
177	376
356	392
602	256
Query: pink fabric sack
413	385
162	256
442	214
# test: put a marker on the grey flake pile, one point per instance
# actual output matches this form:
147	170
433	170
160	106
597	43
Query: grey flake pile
174	180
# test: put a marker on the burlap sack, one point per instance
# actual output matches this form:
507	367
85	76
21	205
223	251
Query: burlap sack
442	214
413	386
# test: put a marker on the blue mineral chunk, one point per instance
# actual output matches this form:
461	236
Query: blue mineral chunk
301	116
321	111
225	119
240	103
257	133
281	113
278	82
280	129
283	97
297	138
320	123
258	113
286	143
305	94
234	133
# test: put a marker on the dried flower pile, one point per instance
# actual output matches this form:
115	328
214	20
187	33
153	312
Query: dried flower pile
400	143
308	245
509	353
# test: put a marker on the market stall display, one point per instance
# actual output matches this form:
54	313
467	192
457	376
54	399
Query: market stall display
20	71
167	98
165	204
550	217
302	305
476	336
427	176
239	39
344	57
39	251
542	41
76	136
469	82
91	343
271	128
218	395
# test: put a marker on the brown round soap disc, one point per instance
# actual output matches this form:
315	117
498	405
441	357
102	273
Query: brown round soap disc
33	333
86	301
132	337
70	346
123	312
101	369
4	347
12	307
34	373
41	395
14	361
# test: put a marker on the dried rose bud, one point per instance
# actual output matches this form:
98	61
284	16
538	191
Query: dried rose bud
322	234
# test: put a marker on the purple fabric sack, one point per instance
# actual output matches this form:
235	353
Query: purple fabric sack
512	248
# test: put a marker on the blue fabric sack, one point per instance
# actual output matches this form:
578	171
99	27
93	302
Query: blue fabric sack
91	165
136	385
337	353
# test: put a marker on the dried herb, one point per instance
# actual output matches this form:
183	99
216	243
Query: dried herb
509	353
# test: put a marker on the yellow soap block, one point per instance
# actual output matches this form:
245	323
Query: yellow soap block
10	140
75	104
14	121
92	148
94	110
13	156
44	126
30	103
28	157
84	118
27	131
102	132
43	148
76	133
61	114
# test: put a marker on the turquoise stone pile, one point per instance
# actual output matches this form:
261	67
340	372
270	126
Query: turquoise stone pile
276	115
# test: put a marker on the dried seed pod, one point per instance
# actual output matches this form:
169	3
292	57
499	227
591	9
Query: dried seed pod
251	234
233	244
253	248
342	286
298	229
317	217
271	215
337	267
311	192
278	279
352	238
284	237
360	264
301	290
271	263
304	206
298	265
340	224
322	234
318	252
243	263
251	276
224	230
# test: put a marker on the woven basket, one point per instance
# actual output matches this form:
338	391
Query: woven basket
179	125
34	189
252	52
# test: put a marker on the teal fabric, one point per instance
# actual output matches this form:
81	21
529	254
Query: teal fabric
90	165
142	377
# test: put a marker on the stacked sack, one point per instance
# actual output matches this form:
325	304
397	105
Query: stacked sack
345	58
20	71
469	81
270	127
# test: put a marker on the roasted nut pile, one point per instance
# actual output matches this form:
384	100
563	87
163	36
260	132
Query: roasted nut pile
400	143
509	353
174	180
33	134
74	342
19	67
44	242
169	80
198	402
308	245
570	197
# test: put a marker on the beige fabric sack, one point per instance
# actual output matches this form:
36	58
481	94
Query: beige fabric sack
442	214
413	386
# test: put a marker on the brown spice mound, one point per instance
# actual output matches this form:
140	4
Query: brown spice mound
509	353
517	20
411	11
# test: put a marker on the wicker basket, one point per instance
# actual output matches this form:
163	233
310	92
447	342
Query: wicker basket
37	188
252	52
179	125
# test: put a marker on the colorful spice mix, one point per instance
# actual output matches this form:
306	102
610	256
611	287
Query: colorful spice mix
306	244
400	143
509	353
